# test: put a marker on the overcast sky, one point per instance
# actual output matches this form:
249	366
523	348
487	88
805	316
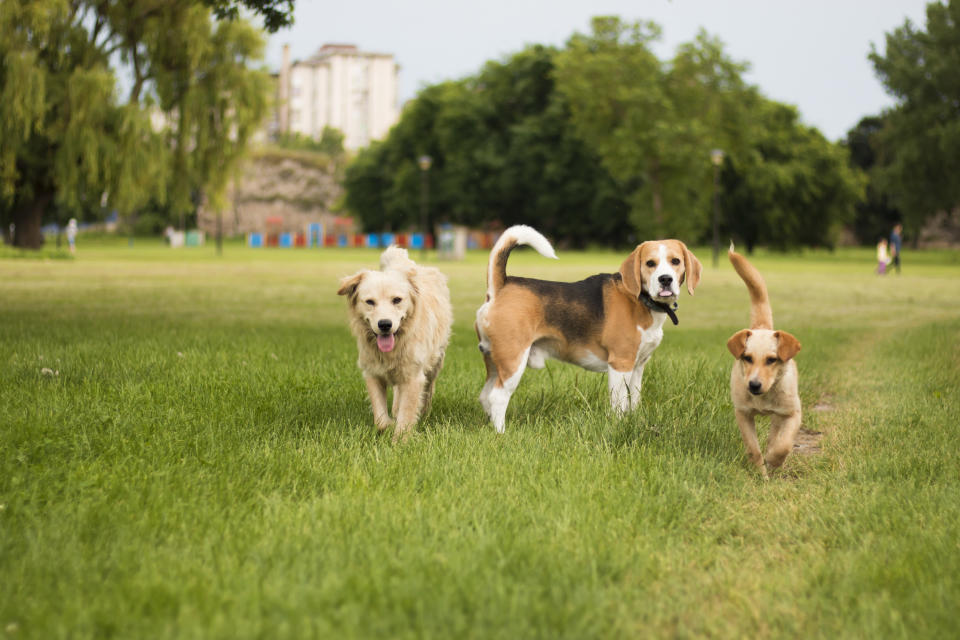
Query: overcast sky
812	53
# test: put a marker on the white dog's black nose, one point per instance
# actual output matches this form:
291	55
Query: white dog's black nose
754	386
384	325
665	280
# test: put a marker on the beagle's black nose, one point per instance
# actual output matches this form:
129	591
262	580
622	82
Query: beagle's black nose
665	280
754	386
384	325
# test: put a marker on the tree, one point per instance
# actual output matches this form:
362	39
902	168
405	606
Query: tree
875	214
69	143
920	138
790	186
503	153
276	14
654	124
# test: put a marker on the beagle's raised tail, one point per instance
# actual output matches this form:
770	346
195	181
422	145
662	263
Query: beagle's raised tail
509	239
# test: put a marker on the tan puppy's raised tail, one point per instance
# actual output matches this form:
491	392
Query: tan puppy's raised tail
509	239
761	316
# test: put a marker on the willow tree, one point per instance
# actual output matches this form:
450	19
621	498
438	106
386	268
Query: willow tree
69	140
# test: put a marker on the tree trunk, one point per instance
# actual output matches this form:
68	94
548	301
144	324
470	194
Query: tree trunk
28	218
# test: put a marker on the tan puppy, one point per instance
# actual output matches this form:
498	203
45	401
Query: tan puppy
764	377
401	317
610	322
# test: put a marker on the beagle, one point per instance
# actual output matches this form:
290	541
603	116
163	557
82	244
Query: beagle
610	322
764	377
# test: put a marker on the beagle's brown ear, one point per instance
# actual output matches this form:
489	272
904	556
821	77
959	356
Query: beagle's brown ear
348	285
737	343
692	269
788	346
630	272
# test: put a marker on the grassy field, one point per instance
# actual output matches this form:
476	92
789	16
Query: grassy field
199	461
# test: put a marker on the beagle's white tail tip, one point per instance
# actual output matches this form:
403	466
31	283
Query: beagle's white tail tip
523	234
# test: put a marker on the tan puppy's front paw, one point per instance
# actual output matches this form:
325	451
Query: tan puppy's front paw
383	424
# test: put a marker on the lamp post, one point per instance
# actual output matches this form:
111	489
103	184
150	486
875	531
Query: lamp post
424	161
716	157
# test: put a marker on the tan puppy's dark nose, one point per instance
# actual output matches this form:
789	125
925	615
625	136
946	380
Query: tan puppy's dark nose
384	325
754	386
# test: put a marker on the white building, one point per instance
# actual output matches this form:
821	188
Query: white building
340	87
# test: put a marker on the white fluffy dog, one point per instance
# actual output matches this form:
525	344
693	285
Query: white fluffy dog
401	317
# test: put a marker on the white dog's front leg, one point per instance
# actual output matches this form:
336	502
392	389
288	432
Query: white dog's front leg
619	384
377	389
408	409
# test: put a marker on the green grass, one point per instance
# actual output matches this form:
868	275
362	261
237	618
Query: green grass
202	462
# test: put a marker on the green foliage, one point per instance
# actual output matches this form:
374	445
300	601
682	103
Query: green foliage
330	142
503	152
876	215
69	143
653	123
276	14
920	140
790	187
603	142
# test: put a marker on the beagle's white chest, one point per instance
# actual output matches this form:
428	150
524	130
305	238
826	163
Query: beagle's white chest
650	339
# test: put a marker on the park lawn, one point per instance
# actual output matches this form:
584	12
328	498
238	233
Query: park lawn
200	461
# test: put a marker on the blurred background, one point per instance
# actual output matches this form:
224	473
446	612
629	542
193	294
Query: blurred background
312	124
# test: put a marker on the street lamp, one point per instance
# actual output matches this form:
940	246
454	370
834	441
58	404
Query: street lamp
716	157
424	162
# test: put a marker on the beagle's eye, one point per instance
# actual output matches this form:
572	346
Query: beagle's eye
675	261
397	300
771	360
748	359
651	263
370	302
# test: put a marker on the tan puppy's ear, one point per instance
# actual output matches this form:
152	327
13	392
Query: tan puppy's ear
630	272
692	269
348	285
788	346
737	343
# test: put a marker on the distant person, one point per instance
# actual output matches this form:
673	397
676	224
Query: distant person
882	258
72	235
896	242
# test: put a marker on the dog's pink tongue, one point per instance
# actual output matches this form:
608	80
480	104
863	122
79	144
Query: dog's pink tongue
385	343
666	293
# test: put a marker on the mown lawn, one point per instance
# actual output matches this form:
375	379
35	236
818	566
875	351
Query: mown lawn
200	461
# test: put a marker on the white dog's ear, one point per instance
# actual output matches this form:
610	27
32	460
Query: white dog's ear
737	343
348	285
414	285
692	269
630	273
787	345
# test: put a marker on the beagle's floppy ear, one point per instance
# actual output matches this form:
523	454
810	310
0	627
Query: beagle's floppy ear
787	346
348	285
630	272
692	269
737	343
